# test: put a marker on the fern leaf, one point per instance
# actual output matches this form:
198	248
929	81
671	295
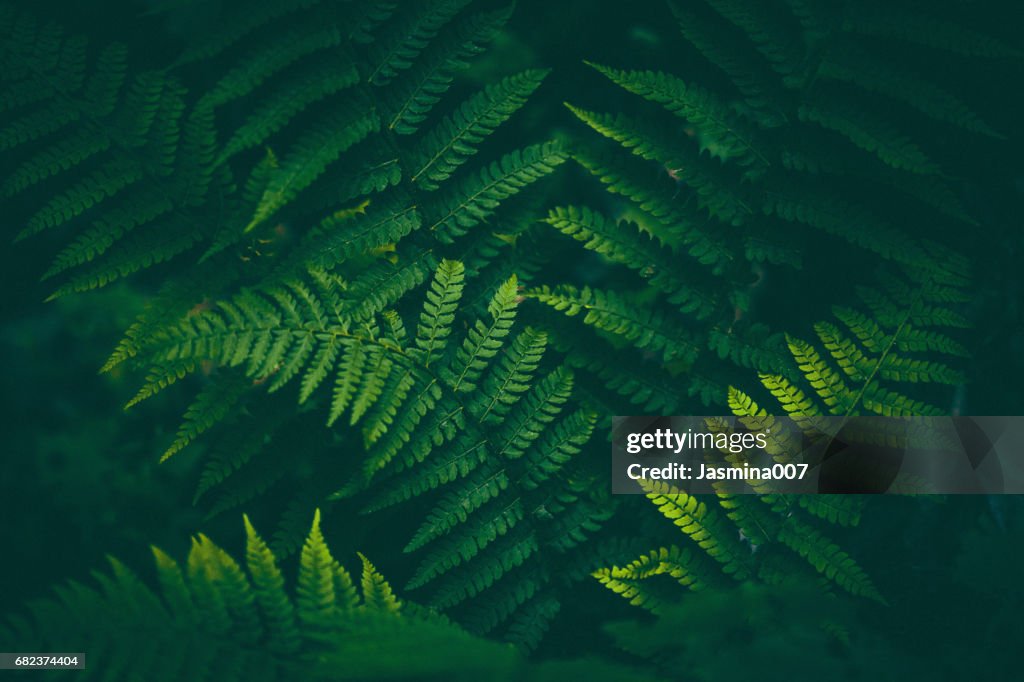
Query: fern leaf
863	69
828	559
334	240
545	456
455	507
262	63
871	134
510	376
477	197
624	176
722	134
439	310
377	593
539	407
622	244
212	405
469	539
350	372
268	589
416	94
713	190
315	595
454	140
397	50
331	74
484	340
311	155
700	523
608	312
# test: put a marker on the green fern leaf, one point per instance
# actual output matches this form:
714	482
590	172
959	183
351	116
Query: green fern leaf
454	140
476	198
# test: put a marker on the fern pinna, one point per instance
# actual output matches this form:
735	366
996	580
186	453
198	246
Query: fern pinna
481	421
857	369
791	133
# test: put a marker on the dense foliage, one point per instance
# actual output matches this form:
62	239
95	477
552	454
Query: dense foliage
398	281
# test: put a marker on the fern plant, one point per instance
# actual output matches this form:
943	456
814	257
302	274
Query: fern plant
853	369
214	618
859	369
792	134
356	240
213	615
340	106
723	535
135	153
343	161
481	422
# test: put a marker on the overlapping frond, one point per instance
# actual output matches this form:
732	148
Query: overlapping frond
335	93
740	538
479	416
815	135
682	325
215	617
861	363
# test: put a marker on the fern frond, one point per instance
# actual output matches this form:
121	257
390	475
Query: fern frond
329	75
377	593
721	132
310	155
212	405
439	310
492	453
223	619
261	63
124	149
679	564
509	377
625	176
454	140
484	340
717	42
828	559
883	350
768	31
417	94
399	47
701	523
608	312
476	198
714	192
269	593
864	70
868	132
455	507
622	243
529	417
